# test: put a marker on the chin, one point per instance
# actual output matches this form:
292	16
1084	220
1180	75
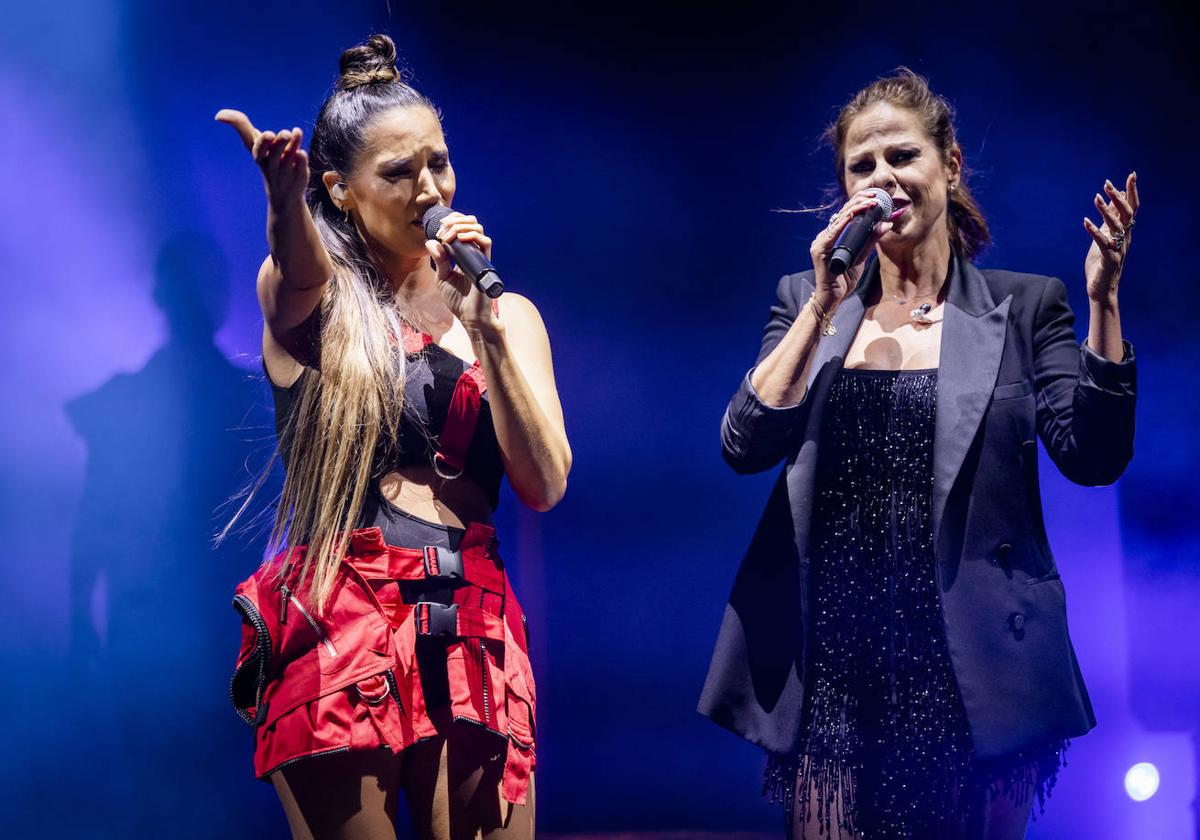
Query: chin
410	243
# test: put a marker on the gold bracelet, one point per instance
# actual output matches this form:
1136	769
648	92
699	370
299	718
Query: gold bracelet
823	321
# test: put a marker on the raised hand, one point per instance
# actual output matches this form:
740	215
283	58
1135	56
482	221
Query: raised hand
283	163
831	290
471	306
1110	242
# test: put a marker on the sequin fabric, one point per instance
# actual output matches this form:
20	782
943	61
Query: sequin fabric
886	751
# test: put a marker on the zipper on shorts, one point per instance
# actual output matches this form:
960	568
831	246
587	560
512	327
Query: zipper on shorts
487	706
312	622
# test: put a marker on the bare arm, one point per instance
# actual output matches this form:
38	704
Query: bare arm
781	378
292	278
527	414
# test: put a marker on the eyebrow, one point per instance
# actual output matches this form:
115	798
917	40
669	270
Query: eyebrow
405	161
891	147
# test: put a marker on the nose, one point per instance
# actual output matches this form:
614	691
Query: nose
428	193
884	178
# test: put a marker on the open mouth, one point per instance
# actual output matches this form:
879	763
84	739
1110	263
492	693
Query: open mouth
900	207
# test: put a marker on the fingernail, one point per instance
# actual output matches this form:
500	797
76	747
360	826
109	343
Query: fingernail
1108	183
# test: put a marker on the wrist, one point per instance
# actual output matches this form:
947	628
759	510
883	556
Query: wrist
822	315
488	333
1103	301
284	206
826	299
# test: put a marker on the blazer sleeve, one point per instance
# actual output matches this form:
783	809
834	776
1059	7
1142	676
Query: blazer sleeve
756	436
1085	402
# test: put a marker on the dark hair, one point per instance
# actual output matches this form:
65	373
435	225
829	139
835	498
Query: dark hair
368	85
969	233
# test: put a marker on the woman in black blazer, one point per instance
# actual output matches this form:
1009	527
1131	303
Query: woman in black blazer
896	637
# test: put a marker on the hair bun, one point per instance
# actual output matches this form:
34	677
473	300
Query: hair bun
368	64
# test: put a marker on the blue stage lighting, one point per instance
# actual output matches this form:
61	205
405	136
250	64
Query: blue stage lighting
1141	781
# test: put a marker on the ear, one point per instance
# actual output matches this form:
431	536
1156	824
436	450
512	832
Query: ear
335	185
954	165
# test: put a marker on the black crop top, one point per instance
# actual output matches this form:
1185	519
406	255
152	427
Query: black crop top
430	378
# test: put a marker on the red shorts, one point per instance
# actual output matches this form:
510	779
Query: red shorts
349	678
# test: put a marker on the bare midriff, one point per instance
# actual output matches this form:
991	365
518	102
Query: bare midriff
418	490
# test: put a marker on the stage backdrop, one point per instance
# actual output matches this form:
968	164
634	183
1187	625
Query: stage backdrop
628	168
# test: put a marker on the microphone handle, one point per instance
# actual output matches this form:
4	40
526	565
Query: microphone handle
849	245
475	265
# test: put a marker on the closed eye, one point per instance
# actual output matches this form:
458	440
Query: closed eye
397	171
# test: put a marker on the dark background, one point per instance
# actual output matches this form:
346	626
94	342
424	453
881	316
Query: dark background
626	165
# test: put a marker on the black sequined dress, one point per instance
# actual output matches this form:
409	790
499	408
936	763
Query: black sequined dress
887	752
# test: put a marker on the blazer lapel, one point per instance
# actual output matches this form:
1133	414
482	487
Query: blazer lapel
972	344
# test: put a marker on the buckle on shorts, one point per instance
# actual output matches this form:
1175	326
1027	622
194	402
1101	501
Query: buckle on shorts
443	564
436	620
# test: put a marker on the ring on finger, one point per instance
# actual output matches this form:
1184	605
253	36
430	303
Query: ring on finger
1118	241
1129	225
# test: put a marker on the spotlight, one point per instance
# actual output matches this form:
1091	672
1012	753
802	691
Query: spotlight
1141	781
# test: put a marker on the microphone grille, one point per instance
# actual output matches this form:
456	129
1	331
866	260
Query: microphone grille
432	220
885	200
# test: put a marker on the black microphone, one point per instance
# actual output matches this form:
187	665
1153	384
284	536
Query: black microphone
849	245
467	256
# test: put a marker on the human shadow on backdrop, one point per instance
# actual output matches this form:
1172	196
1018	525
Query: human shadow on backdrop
152	634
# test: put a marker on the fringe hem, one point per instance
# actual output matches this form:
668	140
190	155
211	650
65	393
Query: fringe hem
1017	777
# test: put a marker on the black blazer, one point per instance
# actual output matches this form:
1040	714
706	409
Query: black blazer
1010	367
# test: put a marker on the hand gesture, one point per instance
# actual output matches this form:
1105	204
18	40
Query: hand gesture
283	163
1110	242
470	306
832	290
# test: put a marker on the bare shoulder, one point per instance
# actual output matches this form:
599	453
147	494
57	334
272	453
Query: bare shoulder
521	316
268	275
283	369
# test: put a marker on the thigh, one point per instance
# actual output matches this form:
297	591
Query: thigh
452	788
344	796
814	796
1004	818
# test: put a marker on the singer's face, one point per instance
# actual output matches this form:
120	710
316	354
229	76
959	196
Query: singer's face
887	147
402	171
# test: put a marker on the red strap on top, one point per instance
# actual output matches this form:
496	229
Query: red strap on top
465	405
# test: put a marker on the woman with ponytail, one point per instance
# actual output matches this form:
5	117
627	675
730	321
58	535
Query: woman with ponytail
384	652
896	638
